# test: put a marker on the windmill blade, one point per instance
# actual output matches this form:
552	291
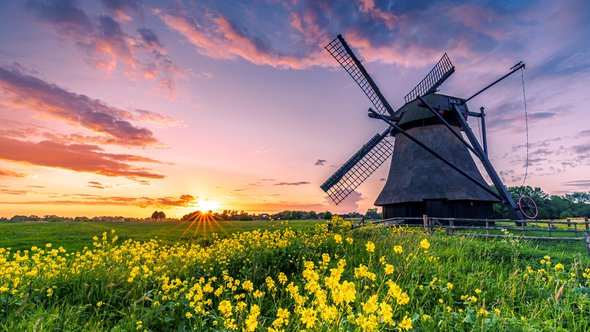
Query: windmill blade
340	50
441	71
358	168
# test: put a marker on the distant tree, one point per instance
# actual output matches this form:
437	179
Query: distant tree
327	215
157	215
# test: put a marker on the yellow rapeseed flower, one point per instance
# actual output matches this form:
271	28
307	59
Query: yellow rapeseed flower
405	324
424	244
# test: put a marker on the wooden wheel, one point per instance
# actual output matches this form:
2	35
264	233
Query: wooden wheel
528	207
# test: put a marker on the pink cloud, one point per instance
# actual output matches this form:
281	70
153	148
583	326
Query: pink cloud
223	41
106	45
36	95
76	157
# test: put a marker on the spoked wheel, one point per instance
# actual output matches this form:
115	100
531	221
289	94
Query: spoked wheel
528	207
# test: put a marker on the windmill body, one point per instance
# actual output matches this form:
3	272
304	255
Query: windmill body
432	170
420	183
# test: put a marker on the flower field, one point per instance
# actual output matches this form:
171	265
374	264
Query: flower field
314	279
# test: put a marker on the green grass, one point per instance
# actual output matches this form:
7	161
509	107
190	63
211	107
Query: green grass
74	236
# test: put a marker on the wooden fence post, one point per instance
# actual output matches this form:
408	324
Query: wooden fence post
425	222
576	228
586	223
587	240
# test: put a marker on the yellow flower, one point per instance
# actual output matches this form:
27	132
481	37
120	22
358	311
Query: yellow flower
225	307
252	319
248	286
405	324
99	304
282	278
349	240
477	291
48	245
449	285
398	249
338	238
425	317
425	244
558	266
188	315
370	246
308	317
483	311
388	269
441	301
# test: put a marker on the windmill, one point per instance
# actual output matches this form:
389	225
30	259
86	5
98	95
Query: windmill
432	171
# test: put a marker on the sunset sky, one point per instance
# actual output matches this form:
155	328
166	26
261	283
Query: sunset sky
121	107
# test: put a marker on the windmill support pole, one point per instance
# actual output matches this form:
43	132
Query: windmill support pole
484	139
505	195
516	67
441	158
446	123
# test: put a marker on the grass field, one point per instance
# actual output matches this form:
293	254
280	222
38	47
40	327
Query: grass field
150	277
74	236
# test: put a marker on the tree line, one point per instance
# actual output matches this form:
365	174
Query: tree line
576	204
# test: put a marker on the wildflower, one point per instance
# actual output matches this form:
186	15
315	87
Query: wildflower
388	269
99	304
483	311
449	285
558	266
282	278
370	246
398	249
252	319
441	301
473	299
405	324
188	315
425	244
497	311
477	291
225	308
349	240
49	292
48	245
371	305
248	286
308	317
338	238
425	317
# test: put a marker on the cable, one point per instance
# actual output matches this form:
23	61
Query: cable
526	125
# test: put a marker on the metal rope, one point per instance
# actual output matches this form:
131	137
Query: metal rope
526	125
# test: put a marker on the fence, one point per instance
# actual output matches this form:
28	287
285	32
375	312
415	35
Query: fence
570	229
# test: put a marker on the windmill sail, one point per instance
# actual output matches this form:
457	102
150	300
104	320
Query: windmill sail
340	50
441	71
358	168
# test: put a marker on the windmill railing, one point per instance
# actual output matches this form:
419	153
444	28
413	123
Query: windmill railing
576	229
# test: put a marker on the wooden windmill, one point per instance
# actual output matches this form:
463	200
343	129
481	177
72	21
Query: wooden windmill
432	170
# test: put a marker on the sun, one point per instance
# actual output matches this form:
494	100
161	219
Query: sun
205	205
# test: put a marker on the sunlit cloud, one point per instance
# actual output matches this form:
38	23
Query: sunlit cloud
142	202
7	173
76	157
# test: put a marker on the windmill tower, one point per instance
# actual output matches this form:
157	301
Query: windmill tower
432	170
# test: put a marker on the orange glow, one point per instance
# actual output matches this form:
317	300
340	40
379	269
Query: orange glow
205	205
